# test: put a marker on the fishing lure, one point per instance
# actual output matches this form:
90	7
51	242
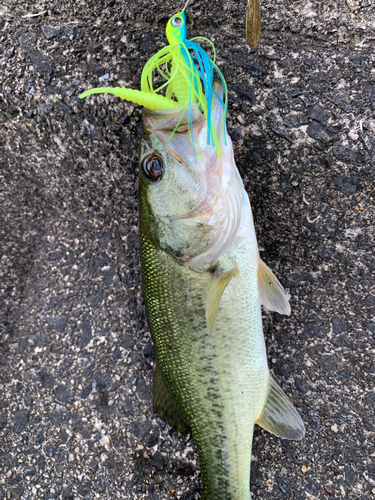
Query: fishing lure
188	72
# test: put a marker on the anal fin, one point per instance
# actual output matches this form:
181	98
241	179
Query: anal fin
279	415
271	292
164	405
220	280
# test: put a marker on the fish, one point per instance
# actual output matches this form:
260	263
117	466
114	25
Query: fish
203	280
204	284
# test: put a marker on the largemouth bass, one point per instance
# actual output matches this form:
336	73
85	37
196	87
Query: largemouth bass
203	279
204	284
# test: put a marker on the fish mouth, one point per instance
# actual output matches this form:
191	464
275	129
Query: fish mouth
166	120
199	235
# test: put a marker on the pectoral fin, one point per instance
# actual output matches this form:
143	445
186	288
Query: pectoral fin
271	293
279	415
216	289
164	405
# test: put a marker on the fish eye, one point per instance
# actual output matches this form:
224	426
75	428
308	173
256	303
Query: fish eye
153	167
176	22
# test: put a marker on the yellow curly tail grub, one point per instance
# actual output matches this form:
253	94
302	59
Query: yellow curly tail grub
147	99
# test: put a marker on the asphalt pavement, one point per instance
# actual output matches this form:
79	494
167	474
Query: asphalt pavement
76	357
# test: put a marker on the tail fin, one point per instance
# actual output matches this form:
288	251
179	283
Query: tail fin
279	415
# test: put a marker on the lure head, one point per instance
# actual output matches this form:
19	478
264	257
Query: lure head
176	28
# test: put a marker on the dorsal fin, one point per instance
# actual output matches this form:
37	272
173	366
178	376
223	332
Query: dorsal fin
279	415
271	292
216	289
164	405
